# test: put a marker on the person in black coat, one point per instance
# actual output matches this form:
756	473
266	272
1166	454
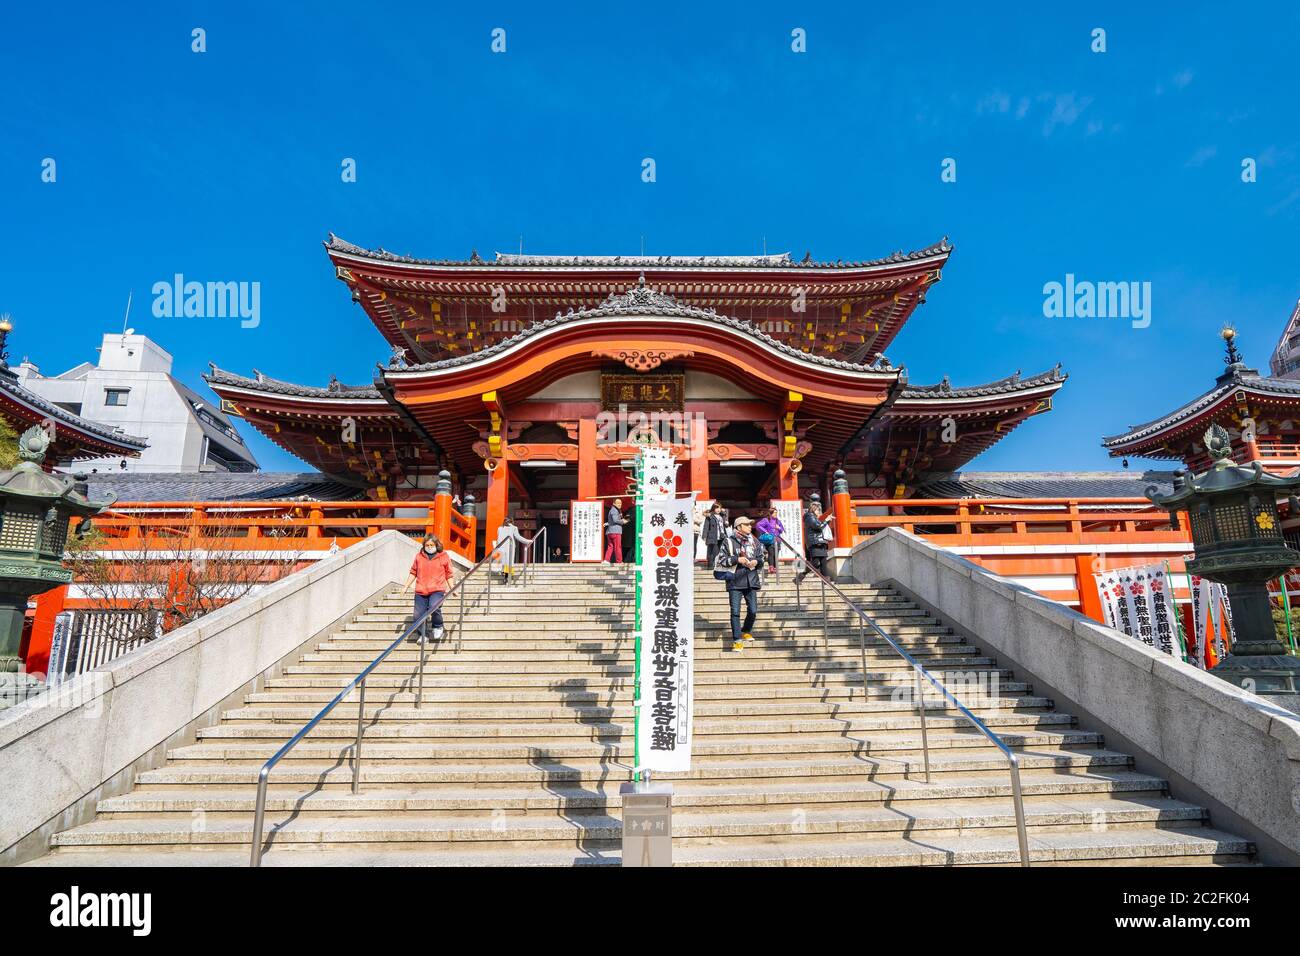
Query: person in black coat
714	530
815	546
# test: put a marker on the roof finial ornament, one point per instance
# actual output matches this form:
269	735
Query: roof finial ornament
1229	336
398	358
640	281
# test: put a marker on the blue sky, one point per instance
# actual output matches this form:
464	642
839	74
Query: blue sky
225	165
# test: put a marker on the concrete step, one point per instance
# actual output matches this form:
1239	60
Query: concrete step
739	682
1142	847
554	765
545	605
581	653
605	798
807	696
989	816
746	717
590	712
504	639
755	654
1054	732
626	624
435	741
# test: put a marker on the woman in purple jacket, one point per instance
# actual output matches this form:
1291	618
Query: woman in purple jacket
767	529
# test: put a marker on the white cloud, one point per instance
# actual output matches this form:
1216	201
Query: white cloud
1066	108
994	103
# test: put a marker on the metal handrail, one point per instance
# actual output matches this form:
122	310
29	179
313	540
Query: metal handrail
531	551
919	671
259	812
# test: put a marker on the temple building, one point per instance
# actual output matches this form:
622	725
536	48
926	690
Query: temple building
1260	412
533	379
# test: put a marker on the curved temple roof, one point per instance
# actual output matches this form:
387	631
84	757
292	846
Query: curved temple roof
439	308
1010	385
938	250
1140	439
275	386
641	300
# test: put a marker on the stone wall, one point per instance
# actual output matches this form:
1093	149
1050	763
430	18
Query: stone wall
88	738
1216	744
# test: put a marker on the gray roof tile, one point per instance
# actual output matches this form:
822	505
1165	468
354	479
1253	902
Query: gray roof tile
219	486
1046	484
781	261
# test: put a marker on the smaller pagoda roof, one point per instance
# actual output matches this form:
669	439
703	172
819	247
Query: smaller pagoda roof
1004	386
89	439
508	260
1235	378
264	383
1045	484
166	487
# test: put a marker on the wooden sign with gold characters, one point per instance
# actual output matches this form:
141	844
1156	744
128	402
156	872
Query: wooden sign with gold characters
644	392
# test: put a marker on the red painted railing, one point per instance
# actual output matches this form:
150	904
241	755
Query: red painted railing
282	525
998	521
1054	545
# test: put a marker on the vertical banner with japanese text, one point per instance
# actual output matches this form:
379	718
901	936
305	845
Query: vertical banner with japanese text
1140	602
667	635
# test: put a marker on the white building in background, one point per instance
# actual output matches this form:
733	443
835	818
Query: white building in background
1285	362
131	387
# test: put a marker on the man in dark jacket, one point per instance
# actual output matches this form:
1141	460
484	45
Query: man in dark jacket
815	546
745	559
714	530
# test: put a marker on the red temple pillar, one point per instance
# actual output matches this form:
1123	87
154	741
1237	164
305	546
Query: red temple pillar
787	481
498	499
843	506
48	607
699	457
1089	598
586	459
442	508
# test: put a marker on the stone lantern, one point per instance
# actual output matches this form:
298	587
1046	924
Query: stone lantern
35	510
1239	543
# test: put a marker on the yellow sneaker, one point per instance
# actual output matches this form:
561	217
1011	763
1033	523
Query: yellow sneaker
737	645
746	636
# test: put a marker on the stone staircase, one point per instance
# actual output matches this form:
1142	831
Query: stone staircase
526	735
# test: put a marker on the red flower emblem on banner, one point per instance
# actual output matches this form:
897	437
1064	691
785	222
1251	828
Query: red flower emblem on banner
666	544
